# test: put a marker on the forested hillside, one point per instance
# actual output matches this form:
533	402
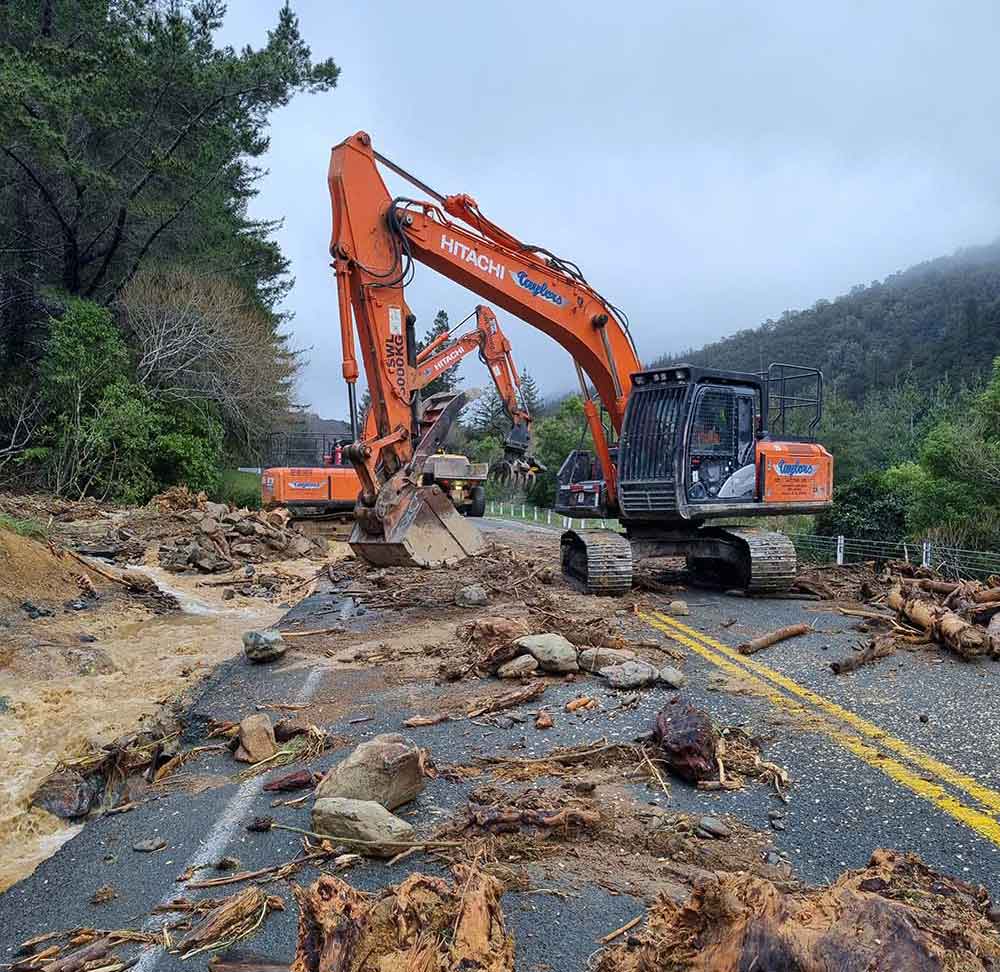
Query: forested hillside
938	319
141	338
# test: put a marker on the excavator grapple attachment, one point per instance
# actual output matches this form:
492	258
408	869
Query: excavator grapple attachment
425	531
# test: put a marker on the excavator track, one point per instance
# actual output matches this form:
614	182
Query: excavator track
770	558
600	559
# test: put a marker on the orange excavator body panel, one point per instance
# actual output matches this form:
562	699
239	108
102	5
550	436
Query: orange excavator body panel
794	472
330	487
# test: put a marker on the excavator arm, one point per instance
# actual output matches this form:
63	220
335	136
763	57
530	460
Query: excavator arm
374	242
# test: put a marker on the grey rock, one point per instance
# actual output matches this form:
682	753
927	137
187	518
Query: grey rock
361	820
518	667
630	675
552	651
714	827
385	770
90	661
5	703
34	611
594	659
673	677
777	824
264	646
678	608
472	596
217	511
149	845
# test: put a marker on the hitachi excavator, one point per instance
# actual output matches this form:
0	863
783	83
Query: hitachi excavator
683	446
327	493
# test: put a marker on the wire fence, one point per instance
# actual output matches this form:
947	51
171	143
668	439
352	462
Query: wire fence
956	562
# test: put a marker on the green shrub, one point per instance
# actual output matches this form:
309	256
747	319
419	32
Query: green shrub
866	509
239	489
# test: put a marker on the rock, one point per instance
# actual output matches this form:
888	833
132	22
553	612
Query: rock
217	511
518	667
678	608
778	824
630	675
552	651
714	827
209	526
90	661
5	703
924	717
543	720
149	845
386	770
673	677
285	729
301	546
361	820
688	740
263	646
256	739
472	596
594	659
87	639
34	611
65	794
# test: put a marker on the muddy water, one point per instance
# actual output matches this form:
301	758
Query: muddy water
51	716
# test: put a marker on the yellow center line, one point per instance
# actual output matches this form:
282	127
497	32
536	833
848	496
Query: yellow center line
927	790
988	797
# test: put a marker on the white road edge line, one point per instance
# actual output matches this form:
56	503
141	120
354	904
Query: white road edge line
221	834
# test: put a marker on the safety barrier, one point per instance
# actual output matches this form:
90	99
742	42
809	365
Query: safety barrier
950	561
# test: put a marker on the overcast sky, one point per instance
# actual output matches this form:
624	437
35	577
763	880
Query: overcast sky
707	164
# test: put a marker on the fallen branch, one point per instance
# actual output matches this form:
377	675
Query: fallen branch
880	647
772	638
946	627
628	926
506	700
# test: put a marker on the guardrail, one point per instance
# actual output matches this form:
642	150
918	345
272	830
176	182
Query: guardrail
957	562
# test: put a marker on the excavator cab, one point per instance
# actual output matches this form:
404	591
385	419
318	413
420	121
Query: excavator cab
700	444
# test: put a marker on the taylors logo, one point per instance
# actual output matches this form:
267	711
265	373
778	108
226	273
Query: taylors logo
538	288
794	468
305	484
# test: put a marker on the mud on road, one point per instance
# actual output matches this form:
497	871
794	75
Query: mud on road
892	756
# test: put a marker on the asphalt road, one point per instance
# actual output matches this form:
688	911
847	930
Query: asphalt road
867	772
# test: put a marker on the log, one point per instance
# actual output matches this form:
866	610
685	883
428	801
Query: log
989	596
880	647
80	957
234	918
772	638
938	587
506	700
944	626
234	961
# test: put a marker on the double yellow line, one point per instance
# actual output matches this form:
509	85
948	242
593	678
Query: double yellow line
915	770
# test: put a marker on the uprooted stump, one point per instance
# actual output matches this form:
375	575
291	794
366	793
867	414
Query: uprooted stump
894	914
688	740
944	626
423	923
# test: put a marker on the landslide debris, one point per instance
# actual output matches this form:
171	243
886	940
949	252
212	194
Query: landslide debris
896	913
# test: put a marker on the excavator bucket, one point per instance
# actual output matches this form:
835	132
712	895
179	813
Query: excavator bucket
412	525
426	531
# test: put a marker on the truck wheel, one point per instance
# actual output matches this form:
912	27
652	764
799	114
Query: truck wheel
478	505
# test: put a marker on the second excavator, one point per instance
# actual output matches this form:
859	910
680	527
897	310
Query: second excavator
675	448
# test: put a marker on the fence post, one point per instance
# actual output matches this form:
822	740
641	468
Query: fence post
523	517
548	516
534	513
840	551
925	554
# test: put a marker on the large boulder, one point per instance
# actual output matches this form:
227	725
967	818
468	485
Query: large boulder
630	675
594	659
688	740
361	820
256	739
385	769
263	646
552	652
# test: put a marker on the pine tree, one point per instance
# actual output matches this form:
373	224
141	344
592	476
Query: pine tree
489	417
531	398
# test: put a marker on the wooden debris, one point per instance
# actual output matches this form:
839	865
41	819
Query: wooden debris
880	647
231	920
944	626
772	638
505	700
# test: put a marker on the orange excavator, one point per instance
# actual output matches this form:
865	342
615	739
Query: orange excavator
328	492
681	446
